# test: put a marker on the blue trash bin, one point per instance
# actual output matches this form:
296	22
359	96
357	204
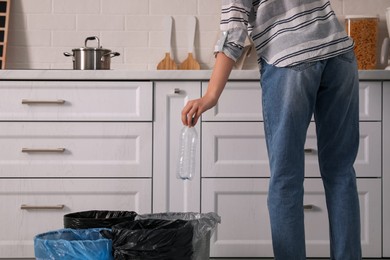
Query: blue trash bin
73	244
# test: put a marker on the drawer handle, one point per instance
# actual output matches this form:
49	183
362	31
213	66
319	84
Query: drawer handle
27	207
310	151
308	207
43	102
177	91
43	150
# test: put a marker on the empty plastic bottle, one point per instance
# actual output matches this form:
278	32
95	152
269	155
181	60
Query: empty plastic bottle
187	153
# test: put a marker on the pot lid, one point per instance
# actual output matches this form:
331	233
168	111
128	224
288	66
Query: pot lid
87	48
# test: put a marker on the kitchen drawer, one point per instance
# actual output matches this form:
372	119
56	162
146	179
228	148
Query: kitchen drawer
369	158
242	101
316	219
239	150
61	196
245	228
234	150
75	149
75	101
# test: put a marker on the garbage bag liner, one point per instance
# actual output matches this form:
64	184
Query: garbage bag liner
203	226
97	218
148	239
73	244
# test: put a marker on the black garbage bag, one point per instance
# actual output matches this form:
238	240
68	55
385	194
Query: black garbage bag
97	218
203	225
149	239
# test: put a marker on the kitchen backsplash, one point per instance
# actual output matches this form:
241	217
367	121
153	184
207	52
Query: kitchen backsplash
42	30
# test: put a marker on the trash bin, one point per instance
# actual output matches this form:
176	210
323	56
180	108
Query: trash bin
97	218
203	225
148	239
73	244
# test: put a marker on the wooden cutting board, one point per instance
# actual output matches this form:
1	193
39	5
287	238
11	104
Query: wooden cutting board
167	63
4	22
190	63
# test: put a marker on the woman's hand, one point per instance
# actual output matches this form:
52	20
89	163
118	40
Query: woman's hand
194	109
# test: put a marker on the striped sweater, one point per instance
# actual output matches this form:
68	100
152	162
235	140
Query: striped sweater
285	32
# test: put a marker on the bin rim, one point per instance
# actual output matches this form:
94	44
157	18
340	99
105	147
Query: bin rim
40	237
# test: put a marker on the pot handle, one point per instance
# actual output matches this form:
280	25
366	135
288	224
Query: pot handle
67	54
111	54
91	38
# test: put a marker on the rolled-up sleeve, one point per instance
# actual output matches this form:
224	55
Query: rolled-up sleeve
234	27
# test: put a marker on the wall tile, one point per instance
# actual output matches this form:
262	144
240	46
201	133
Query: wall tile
30	38
31	7
76	6
173	7
51	22
100	22
133	7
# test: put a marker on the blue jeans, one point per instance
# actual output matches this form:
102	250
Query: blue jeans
329	89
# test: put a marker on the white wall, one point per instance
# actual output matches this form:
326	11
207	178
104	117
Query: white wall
41	30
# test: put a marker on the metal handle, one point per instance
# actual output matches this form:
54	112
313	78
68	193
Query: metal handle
308	207
43	150
111	54
40	102
91	38
177	91
24	206
310	150
67	54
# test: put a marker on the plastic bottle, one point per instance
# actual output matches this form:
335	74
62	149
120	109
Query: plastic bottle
187	153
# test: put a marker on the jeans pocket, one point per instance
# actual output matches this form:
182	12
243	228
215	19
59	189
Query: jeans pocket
348	57
302	66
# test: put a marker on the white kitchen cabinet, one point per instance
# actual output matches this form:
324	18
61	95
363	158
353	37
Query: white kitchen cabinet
242	101
75	149
71	146
386	170
235	173
169	192
33	206
368	160
76	100
245	228
232	149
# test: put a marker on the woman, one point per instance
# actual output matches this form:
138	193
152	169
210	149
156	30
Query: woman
307	67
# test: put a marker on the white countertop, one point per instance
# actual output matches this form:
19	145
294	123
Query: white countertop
380	75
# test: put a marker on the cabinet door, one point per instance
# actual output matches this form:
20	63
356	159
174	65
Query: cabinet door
245	228
370	101
234	150
240	101
242	205
75	149
239	150
368	160
170	193
34	206
316	218
386	169
76	100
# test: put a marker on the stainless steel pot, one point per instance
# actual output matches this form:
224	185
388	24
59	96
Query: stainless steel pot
91	58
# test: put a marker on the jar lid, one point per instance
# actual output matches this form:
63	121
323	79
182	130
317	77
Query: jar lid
362	16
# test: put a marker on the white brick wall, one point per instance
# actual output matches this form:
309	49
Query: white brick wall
41	30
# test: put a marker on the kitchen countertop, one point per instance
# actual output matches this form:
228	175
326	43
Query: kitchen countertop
379	75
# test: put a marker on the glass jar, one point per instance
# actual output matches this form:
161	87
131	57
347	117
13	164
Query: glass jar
364	32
